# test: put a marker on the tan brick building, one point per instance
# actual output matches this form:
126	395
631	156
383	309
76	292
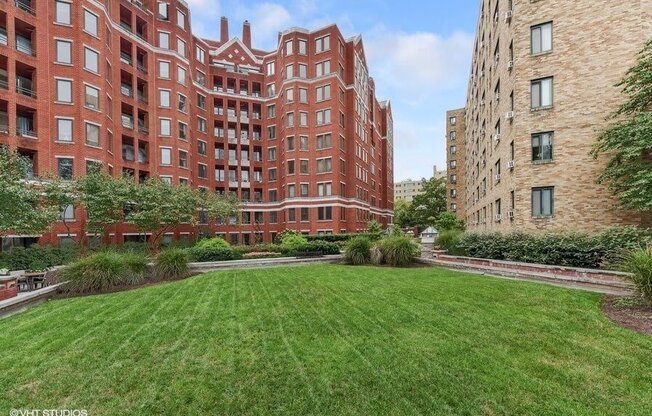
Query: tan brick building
456	166
296	133
541	85
407	189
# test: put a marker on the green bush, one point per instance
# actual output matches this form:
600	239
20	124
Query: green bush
102	271
128	247
321	247
398	251
171	264
448	239
639	263
336	238
376	255
358	250
213	254
374	230
215	242
292	240
38	257
616	242
259	248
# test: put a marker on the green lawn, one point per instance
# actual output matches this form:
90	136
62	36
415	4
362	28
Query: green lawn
327	340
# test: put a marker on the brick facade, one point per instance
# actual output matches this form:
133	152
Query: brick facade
591	46
456	157
226	106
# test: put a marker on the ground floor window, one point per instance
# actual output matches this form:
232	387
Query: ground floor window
543	201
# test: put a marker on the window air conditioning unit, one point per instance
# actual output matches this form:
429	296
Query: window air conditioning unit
498	177
499	217
497	57
497	137
482	103
510	164
510	64
510	214
508	16
497	96
509	115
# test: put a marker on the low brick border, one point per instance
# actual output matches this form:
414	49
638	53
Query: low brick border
258	263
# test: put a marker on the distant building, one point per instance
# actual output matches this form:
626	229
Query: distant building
408	189
438	174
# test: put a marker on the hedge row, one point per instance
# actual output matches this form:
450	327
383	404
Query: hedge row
603	250
200	254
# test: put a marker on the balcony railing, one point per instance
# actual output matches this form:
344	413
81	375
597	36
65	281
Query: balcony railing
142	127
4	128
126	90
4	84
142	98
141	67
127	122
26	91
3	36
125	58
24	47
25	6
125	25
25	132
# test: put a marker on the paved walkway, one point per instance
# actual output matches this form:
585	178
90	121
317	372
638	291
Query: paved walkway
25	299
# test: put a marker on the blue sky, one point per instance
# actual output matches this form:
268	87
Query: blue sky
418	52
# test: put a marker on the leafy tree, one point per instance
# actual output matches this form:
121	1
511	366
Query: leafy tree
220	207
628	141
23	207
429	205
158	207
448	221
375	230
104	198
404	214
60	195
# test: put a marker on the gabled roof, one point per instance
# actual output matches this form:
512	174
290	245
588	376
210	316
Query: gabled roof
237	52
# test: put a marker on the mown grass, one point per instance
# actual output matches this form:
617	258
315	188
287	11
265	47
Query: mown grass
327	340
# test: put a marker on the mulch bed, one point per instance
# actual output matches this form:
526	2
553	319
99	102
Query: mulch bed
633	315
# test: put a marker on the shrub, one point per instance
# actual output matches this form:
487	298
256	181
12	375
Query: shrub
336	238
321	247
358	251
448	239
213	254
398	251
38	257
102	271
448	221
215	242
292	240
639	263
259	248
617	242
171	263
374	230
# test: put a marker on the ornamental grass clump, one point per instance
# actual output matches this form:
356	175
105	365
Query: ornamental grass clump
358	251
398	251
639	264
103	271
171	264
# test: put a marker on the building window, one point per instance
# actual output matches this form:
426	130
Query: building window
303	143
303	95
323	117
182	103
62	14
90	23
453	135
201	102
323	44
271	132
323	68
164	69
163	40
453	164
202	171
64	52
64	91
68	213
290	143
303	167
288	47
543	201
289	95
325	213
181	47
163	11
541	38
91	60
324	141
91	97
303	47
166	127
181	75
303	71
183	159
271	111
324	189
290	167
166	156
303	119
542	146
271	68
291	191
65	168
200	54
305	214
290	120
324	93
181	19
292	215
272	174
541	93
164	98
324	165
201	147
271	154
92	135
64	130
452	121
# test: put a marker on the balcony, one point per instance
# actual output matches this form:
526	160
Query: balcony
127	121
218	132
25	126
142	153
26	6
125	58
24	87
218	111
244	162
3	36
126	90
24	45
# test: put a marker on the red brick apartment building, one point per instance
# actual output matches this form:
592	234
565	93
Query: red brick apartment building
296	133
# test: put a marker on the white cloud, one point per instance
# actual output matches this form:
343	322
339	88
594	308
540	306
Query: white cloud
419	63
267	19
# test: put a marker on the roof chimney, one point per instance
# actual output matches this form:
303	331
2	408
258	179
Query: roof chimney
224	29
246	34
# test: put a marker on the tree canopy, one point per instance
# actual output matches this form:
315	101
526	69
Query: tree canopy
628	140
